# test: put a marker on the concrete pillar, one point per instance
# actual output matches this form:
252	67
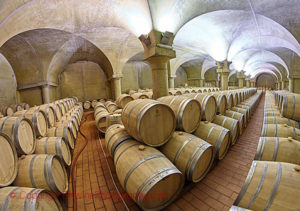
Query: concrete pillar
158	51
18	97
172	81
201	82
46	94
117	87
291	84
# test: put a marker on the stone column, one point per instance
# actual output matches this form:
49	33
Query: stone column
240	76
224	73
18	97
291	84
158	51
201	82
172	81
117	86
248	82
46	93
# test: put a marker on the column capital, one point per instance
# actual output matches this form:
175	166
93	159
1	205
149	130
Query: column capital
116	76
172	76
158	44
240	75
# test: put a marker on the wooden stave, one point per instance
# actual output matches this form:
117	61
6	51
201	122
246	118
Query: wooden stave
233	128
46	108
281	120
120	100
53	132
221	103
280	131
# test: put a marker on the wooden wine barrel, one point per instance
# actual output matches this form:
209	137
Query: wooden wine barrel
290	107
221	103
119	111
229	99
101	120
280	120
235	97
138	95
149	121
20	198
54	146
113	119
8	161
94	102
21	132
271	186
187	112
16	107
25	106
50	114
115	135
64	132
190	154
149	94
274	130
87	105
132	92
38	119
146	172
123	99
247	108
111	107
216	135
42	171
70	124
6	110
278	149
208	105
231	124
237	116
57	111
174	92
242	111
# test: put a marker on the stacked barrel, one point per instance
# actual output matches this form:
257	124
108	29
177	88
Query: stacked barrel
273	179
171	138
91	103
11	109
35	153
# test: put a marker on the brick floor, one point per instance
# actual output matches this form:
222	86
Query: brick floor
217	191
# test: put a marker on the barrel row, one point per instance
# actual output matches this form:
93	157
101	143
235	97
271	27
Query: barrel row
92	103
11	109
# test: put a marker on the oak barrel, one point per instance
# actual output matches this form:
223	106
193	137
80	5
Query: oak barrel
87	105
208	105
242	111
50	114
280	120
123	99
112	119
8	161
16	107
276	130
42	171
237	116
20	198
231	124
100	117
54	146
144	171
278	149
111	107
64	132
187	112
38	119
6	110
149	121
216	135
138	95
290	107
57	111
271	186
70	124
221	103
115	134
25	106
190	154
21	132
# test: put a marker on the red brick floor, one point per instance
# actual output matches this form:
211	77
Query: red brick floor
217	191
